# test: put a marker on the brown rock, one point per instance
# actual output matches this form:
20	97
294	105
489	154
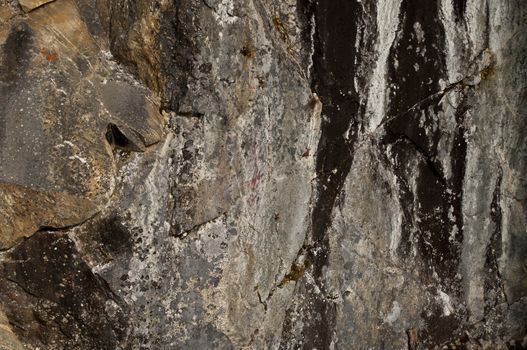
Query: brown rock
24	211
8	339
29	5
64	104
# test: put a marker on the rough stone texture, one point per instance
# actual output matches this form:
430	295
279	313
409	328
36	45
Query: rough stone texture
28	5
62	99
201	174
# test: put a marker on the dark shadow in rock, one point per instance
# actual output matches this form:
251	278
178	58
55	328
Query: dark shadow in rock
59	302
117	139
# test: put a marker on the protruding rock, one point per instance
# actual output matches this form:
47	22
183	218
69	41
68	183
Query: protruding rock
60	89
29	5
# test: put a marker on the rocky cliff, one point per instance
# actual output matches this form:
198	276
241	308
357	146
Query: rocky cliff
281	174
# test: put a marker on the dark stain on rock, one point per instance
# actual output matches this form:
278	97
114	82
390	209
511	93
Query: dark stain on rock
16	53
419	126
333	72
433	212
433	227
417	65
459	9
494	287
439	255
438	328
177	41
435	194
435	197
50	291
114	237
455	193
417	57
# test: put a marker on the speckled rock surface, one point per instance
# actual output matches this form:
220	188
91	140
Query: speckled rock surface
216	174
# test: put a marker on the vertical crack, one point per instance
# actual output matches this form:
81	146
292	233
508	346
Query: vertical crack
494	287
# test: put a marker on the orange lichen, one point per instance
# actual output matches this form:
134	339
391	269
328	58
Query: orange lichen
48	55
52	56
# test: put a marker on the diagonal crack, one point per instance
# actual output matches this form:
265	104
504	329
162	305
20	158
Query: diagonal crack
417	106
48	229
429	162
196	227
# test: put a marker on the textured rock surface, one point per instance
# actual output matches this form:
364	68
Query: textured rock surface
62	98
202	174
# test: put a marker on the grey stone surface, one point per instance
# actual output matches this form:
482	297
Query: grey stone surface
216	174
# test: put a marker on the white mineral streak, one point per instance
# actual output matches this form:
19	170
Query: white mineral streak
445	300
153	192
397	218
451	41
395	237
419	33
463	46
488	142
387	23
394	314
506	42
455	62
476	22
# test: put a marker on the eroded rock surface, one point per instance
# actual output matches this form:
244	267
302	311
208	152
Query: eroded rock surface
221	174
64	103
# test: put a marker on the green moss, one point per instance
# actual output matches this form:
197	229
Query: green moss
294	274
487	72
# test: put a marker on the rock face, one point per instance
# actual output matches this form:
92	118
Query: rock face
201	174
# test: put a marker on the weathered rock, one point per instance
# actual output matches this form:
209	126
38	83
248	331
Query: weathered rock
28	5
55	301
25	211
408	229
263	174
64	103
8	339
